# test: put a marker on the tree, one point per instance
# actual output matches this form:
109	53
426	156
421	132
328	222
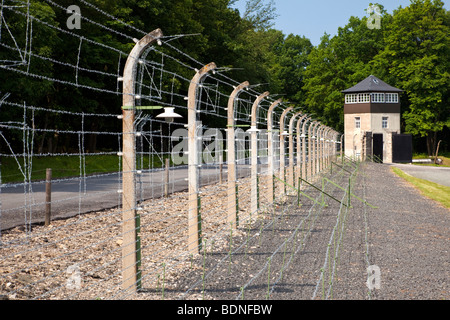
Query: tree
260	14
288	68
338	63
416	58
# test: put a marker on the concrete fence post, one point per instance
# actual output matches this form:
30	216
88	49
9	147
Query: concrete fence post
322	148
304	150
326	147
270	151
129	218
331	140
311	148
254	153
231	156
194	157
291	148
299	148
283	134
320	143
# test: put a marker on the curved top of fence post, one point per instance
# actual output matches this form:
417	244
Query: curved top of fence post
299	122
192	93
328	131
255	105
320	129
291	122
231	101
270	114
283	115
312	128
196	80
304	125
129	72
323	129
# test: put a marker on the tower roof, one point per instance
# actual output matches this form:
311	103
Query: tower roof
372	84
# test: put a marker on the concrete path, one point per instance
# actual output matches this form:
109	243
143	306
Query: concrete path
440	175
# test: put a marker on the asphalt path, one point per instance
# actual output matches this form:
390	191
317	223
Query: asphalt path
440	175
24	204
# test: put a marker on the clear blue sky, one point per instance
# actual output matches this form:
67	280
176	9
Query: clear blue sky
312	18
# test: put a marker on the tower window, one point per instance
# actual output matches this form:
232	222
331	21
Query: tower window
363	97
357	98
357	122
378	97
391	98
351	98
384	122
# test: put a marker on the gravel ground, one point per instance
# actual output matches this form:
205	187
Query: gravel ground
409	238
319	250
406	237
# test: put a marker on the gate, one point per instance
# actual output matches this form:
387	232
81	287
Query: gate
401	148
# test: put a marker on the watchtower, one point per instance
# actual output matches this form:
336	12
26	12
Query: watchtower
371	116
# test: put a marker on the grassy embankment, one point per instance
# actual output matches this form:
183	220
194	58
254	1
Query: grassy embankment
66	166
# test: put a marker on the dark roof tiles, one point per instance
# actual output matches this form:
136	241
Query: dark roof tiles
371	84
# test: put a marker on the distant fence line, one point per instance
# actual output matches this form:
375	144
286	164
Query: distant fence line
113	234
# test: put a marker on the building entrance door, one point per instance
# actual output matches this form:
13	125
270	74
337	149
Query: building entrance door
377	147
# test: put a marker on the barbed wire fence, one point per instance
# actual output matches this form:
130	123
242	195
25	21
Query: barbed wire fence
178	190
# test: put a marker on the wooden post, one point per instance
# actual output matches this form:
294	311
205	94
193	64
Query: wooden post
232	201
48	196
437	152
220	169
166	180
130	226
194	219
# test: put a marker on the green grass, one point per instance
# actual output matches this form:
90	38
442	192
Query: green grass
66	166
430	189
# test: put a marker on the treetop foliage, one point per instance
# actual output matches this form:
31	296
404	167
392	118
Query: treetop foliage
410	50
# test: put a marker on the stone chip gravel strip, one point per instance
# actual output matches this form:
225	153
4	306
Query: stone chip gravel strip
406	238
281	255
409	237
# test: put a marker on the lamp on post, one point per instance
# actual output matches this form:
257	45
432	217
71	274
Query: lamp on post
169	114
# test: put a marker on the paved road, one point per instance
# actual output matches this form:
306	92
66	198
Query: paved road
70	197
440	175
